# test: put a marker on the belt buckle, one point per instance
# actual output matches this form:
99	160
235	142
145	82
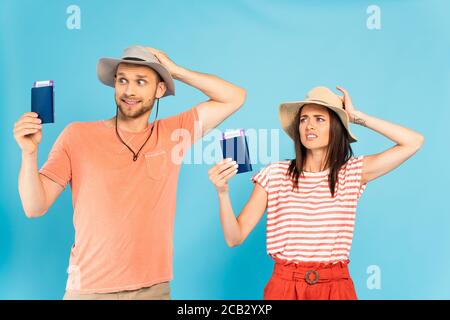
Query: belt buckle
316	276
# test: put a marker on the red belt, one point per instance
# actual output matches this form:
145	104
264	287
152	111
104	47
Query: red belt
311	275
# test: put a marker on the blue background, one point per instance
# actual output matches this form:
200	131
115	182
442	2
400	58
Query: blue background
277	51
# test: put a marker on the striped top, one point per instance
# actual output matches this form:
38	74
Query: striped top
309	225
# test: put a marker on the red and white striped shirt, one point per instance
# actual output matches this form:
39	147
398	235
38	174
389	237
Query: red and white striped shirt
308	224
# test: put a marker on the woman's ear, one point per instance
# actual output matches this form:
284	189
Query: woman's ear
161	89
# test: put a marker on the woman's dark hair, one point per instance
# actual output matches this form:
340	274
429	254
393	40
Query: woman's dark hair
338	153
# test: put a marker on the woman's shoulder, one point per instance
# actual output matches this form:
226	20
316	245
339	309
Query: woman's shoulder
353	164
354	161
276	168
279	165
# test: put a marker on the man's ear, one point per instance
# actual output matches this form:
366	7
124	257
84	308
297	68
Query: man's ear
161	89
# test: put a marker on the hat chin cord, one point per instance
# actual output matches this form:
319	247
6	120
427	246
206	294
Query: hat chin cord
136	154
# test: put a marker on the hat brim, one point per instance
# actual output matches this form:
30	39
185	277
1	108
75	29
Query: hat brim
288	111
106	71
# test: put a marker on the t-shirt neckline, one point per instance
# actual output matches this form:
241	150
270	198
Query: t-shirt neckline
146	130
318	173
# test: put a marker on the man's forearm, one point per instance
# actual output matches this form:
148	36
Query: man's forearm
31	190
214	87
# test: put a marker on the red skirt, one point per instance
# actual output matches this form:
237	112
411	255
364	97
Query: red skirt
310	281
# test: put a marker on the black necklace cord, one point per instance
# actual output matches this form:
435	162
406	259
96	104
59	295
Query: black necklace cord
136	154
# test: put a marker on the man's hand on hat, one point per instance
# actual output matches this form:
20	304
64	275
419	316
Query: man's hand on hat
165	60
348	104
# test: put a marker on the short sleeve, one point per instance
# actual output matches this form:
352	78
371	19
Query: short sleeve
186	125
58	167
262	178
353	175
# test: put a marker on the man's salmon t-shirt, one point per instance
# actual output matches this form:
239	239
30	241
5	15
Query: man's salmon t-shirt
123	209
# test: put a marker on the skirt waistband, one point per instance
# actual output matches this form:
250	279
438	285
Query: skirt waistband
311	273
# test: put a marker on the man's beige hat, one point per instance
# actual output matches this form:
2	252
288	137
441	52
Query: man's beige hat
318	95
106	67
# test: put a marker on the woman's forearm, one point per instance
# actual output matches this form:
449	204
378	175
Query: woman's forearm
230	224
400	135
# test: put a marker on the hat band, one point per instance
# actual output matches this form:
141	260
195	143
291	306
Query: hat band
318	100
133	59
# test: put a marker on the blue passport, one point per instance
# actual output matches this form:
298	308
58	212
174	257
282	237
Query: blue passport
234	145
42	100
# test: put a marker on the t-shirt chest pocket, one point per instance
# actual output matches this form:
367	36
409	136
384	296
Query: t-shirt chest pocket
156	164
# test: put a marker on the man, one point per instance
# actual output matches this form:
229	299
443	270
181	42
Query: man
123	174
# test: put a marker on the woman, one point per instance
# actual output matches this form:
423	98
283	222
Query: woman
311	200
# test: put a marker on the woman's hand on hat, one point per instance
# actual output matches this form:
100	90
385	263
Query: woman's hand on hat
220	173
348	104
165	60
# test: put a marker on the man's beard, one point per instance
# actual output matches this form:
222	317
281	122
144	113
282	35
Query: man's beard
137	112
